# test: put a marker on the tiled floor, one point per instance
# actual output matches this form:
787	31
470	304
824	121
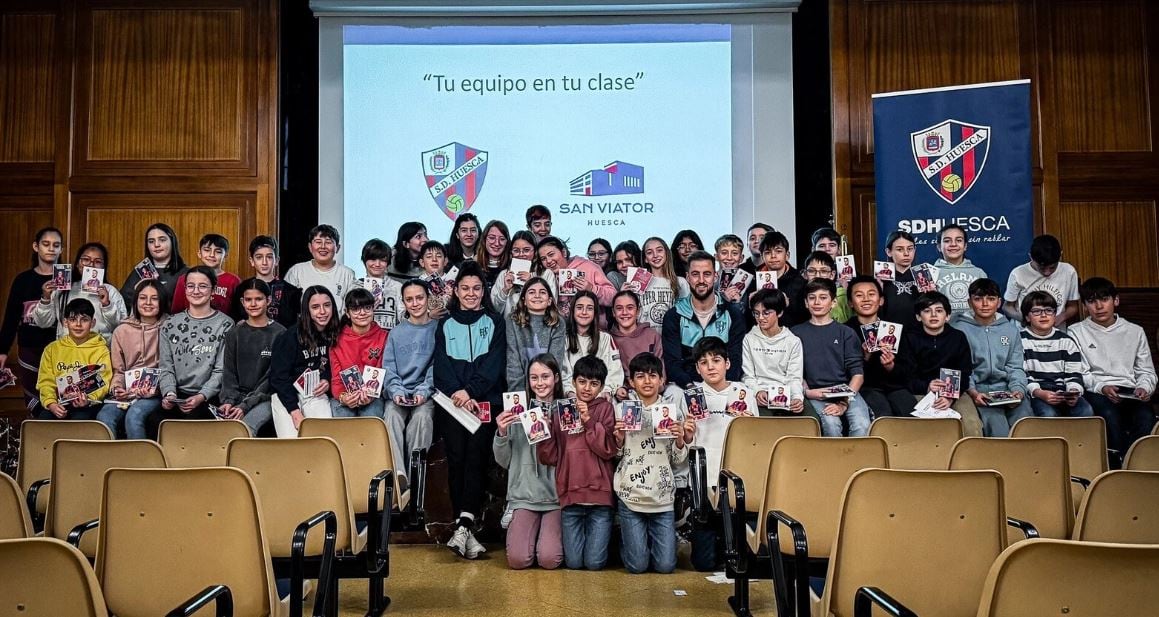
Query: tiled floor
430	580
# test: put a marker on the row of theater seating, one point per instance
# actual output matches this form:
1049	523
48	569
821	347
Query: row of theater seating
919	511
206	515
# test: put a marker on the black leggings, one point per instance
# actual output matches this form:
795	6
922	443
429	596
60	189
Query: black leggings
469	459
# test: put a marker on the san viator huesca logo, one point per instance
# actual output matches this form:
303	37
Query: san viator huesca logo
950	156
454	175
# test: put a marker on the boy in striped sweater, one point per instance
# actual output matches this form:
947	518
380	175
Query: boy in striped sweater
1052	359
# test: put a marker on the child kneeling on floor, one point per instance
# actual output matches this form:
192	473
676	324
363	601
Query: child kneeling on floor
584	463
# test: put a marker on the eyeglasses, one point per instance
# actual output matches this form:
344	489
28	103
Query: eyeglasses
197	287
321	242
818	271
763	314
360	309
597	254
1041	311
92	262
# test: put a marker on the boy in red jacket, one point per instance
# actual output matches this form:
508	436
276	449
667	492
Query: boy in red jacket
584	467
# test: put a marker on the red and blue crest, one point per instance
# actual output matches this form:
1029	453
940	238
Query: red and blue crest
454	175
950	157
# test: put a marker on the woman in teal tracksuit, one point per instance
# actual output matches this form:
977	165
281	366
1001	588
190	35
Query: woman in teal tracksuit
470	350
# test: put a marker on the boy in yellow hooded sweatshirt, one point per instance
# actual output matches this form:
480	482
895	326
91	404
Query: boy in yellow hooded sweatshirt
79	349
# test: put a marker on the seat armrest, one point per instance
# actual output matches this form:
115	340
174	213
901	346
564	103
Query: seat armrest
33	496
74	536
418	487
1083	482
219	594
698	483
1029	530
297	555
801	603
378	521
732	522
867	597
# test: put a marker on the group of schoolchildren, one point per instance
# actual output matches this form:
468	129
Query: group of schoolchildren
487	314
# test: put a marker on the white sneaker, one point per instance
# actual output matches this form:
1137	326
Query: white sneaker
474	549
508	514
458	542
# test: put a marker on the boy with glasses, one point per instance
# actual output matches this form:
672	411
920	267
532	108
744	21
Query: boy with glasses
323	269
1054	365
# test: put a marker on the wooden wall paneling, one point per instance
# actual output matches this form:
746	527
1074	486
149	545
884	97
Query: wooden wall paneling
840	75
27	88
169	89
120	220
1115	240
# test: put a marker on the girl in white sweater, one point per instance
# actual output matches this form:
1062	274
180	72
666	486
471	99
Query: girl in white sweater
584	338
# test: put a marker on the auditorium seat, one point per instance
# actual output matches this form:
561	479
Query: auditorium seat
78	470
1057	577
44	577
198	443
748	442
918	443
168	534
14	520
925	538
295	480
1037	478
34	462
1120	506
803	480
1086	442
1143	455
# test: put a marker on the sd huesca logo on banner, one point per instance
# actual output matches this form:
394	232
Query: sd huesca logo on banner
455	175
950	156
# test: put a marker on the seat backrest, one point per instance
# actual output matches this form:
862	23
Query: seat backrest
198	443
1143	455
806	478
1059	577
748	443
1120	506
1086	443
14	520
918	443
167	534
296	479
366	452
1036	475
78	470
44	577
34	462
898	528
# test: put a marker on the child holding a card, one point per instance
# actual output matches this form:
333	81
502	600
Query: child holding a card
192	349
212	251
249	349
732	282
360	343
509	283
535	327
136	345
771	357
664	287
301	359
107	302
899	289
828	363
470	350
23	296
433	260
1121	380
626	255
712	365
554	256
1053	361
386	291
996	347
410	377
775	255
79	353
534	535
162	261
645	480
820	265
932	347
584	464
323	243
584	338
285	299
884	389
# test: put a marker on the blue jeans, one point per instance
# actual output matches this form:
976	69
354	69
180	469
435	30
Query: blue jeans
1126	421
134	417
647	539
587	531
853	423
1044	409
375	409
996	421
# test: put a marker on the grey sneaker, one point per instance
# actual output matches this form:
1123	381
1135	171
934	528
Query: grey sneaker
458	542
505	522
474	549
